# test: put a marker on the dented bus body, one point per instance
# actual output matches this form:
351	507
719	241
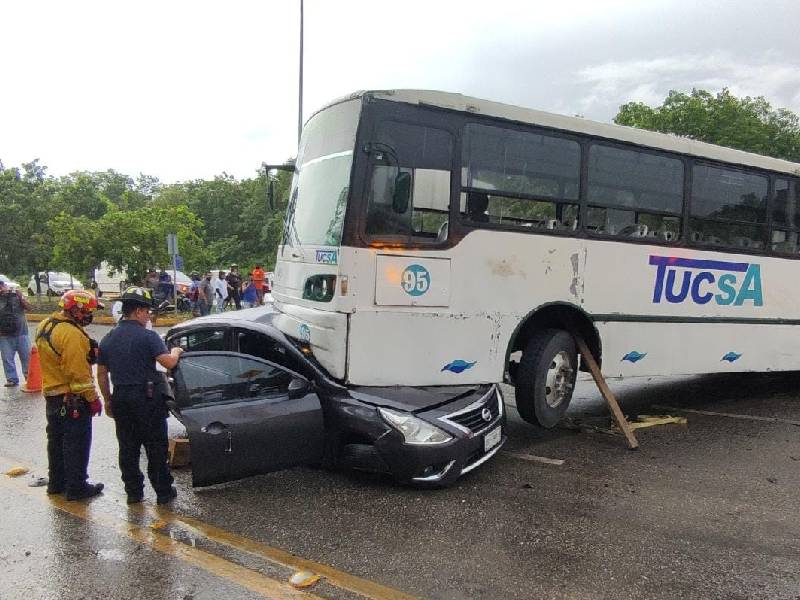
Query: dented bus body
433	239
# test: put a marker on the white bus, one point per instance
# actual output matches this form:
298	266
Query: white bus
433	239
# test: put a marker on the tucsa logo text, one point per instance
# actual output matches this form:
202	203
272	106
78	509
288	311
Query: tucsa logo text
701	281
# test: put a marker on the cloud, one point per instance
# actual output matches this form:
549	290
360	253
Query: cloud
649	81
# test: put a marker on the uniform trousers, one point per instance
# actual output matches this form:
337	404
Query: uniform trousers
141	421
69	440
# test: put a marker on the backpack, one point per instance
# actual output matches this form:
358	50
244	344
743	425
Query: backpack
9	317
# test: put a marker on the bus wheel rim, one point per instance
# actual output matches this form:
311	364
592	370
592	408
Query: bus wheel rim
558	382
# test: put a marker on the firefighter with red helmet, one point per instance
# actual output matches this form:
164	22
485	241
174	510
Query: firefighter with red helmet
67	354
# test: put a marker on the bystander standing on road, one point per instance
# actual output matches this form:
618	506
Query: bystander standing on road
249	294
193	294
259	281
220	291
151	279
67	354
13	333
128	354
206	295
235	285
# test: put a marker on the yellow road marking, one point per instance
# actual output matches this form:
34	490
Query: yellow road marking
162	515
363	587
252	580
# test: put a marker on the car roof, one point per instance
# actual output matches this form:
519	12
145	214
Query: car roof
256	319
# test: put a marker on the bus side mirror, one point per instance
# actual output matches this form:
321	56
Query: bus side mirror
271	194
402	192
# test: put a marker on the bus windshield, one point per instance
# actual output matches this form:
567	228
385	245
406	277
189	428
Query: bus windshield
321	183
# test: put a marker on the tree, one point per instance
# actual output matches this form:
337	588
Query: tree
749	124
77	243
26	205
135	241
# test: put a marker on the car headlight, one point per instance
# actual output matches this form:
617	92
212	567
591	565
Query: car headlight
414	430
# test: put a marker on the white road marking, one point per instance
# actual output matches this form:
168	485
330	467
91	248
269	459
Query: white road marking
729	415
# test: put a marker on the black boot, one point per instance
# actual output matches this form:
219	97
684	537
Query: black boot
91	489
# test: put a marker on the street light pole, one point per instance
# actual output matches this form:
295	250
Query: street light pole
300	100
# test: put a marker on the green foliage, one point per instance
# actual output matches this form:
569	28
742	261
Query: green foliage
136	240
749	124
74	223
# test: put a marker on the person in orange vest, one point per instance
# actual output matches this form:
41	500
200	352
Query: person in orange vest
259	282
67	354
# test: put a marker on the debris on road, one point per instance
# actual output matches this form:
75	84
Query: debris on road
16	471
179	452
653	420
589	424
38	482
533	458
303	579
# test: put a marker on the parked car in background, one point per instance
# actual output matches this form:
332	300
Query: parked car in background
252	402
10	283
183	281
53	283
110	281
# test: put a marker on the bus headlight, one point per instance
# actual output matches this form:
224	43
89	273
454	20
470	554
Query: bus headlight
414	430
319	288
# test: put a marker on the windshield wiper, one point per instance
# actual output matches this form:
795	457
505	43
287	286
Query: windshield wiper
290	229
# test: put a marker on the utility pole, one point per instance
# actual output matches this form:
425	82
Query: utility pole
300	100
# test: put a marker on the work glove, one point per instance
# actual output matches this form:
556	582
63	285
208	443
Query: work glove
95	407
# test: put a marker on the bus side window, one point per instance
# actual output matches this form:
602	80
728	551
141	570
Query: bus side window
480	207
425	155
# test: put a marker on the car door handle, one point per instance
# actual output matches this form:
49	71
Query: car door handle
214	428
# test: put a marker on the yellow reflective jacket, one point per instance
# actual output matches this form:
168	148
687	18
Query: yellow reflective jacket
65	368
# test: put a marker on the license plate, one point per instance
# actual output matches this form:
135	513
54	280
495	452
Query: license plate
491	439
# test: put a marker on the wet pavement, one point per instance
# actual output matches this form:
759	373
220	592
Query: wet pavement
703	510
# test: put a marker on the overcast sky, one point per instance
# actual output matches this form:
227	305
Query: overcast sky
189	89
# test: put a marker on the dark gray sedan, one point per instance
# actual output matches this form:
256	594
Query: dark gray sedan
252	402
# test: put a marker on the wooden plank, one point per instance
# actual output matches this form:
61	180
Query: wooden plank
608	395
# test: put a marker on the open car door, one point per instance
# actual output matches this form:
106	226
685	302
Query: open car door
245	416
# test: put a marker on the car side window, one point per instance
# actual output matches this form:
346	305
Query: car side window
201	339
217	378
262	346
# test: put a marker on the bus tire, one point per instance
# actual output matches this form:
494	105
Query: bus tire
546	377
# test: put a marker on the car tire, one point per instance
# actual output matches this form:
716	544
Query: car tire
545	378
31	292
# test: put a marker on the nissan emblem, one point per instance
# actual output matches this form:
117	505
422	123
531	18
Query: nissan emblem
486	414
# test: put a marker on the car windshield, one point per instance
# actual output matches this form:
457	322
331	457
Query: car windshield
56	276
321	183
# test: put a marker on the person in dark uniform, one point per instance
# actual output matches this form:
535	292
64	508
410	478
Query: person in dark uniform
138	404
235	286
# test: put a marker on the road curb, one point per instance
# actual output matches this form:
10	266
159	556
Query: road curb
106	320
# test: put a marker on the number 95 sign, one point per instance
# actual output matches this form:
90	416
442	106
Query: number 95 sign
415	280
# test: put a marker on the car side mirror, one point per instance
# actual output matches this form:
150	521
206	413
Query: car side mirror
402	192
298	387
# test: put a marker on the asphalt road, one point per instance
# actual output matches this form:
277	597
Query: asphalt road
703	510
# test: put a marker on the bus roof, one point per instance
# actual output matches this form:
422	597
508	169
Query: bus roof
640	137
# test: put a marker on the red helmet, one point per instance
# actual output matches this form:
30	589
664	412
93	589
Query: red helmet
79	299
